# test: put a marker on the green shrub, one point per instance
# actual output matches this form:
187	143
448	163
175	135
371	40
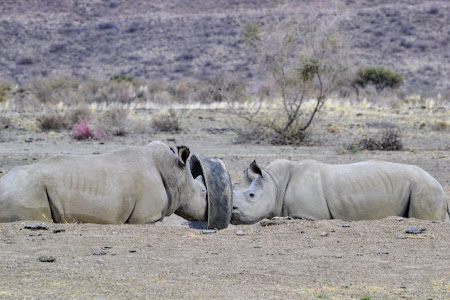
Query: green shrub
380	77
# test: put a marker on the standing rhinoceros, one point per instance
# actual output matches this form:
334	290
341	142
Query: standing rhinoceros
130	185
360	191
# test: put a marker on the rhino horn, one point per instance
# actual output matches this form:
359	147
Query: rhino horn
248	178
255	168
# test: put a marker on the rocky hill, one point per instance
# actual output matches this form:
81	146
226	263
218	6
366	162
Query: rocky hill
175	40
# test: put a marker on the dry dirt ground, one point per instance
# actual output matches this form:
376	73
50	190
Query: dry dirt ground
285	259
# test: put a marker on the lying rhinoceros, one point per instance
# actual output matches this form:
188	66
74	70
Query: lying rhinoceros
131	185
360	191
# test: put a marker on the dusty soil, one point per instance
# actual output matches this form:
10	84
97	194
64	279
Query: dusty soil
284	259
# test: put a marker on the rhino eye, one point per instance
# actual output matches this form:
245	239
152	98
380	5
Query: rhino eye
251	195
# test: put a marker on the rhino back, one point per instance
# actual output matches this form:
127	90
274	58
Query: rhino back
98	188
369	190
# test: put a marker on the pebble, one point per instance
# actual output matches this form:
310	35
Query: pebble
47	258
132	251
415	229
99	253
323	233
36	227
240	232
399	219
344	225
209	231
401	236
58	230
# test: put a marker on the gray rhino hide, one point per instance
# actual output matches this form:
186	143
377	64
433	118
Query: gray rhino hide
360	191
130	185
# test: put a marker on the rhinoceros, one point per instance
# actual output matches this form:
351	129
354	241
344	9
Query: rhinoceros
131	185
360	191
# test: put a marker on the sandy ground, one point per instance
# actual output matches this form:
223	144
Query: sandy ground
284	259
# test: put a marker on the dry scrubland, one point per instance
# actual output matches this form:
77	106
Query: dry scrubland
139	71
290	259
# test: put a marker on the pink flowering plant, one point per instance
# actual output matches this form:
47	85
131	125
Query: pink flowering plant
84	132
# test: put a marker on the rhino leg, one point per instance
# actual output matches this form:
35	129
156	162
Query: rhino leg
22	197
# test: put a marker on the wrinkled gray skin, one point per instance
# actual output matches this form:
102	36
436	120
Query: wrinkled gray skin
360	191
131	185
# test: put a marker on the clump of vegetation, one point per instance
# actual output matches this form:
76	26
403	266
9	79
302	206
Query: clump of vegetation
54	90
440	125
378	76
51	121
76	114
84	132
5	123
389	140
345	148
306	59
124	78
114	121
220	90
4	91
167	121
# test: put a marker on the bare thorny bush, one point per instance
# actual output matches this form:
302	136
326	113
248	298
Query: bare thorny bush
306	57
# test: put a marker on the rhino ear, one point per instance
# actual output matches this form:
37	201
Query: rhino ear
255	168
183	155
248	178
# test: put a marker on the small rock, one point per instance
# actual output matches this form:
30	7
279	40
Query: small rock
339	256
209	231
58	230
107	247
323	233
415	229
132	251
282	218
384	252
344	225
257	247
35	234
399	219
36	227
99	253
240	232
47	258
401	236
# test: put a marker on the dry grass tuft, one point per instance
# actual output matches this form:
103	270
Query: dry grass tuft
167	121
51	121
389	140
5	123
114	121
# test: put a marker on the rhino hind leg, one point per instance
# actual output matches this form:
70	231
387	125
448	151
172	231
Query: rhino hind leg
428	202
21	199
